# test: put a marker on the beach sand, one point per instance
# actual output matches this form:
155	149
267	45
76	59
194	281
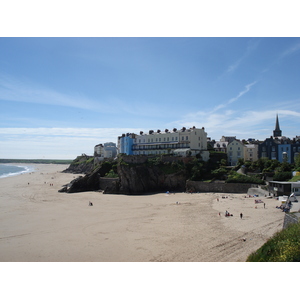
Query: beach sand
40	224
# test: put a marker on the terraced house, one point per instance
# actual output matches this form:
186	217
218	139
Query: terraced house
183	142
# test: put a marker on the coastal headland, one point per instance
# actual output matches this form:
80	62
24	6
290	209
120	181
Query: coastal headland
40	224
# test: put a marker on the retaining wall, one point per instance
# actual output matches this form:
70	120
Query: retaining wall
217	187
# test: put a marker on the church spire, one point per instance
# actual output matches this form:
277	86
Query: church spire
277	131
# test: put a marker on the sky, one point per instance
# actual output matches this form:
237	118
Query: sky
59	97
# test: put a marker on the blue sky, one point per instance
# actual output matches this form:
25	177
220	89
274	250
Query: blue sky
61	96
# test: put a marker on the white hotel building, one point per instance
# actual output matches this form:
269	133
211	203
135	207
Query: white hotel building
183	142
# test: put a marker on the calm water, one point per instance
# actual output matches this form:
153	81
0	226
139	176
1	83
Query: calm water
11	170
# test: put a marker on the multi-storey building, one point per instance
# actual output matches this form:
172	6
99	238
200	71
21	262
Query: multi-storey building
250	152
183	142
235	151
295	148
220	146
106	150
269	147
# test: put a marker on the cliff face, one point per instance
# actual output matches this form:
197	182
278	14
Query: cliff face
140	179
81	165
135	176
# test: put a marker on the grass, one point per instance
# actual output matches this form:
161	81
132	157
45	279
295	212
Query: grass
284	246
295	179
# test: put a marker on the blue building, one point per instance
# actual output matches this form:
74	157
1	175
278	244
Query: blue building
284	152
125	143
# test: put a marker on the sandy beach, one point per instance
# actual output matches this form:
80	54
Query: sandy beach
40	224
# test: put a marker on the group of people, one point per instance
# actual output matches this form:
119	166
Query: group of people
228	214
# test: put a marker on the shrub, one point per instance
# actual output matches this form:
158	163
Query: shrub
235	177
111	174
283	176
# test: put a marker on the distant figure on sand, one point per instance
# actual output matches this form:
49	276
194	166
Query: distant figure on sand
90	203
241	215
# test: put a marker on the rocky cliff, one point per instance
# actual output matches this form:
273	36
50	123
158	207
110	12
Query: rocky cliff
140	179
81	165
136	175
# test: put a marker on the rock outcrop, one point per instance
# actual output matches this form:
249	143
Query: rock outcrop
81	165
135	176
140	179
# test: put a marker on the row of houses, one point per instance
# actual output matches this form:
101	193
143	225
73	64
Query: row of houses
276	147
183	142
194	141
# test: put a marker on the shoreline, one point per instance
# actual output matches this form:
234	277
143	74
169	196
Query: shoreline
41	224
29	168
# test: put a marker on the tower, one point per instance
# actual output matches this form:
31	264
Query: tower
277	131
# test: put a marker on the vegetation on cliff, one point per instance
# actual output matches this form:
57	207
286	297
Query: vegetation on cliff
284	246
142	174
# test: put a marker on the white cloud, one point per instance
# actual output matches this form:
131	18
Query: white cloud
252	45
290	50
230	101
256	124
56	143
246	90
12	89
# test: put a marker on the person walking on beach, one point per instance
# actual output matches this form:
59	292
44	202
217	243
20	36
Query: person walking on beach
264	205
241	215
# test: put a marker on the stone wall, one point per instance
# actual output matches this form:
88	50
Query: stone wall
217	187
290	218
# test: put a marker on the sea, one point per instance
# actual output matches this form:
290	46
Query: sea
13	170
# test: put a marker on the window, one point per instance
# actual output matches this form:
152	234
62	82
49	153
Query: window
186	138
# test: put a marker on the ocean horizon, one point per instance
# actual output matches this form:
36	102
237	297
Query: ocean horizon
8	170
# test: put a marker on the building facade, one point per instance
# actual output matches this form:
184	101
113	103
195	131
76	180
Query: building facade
235	151
183	142
106	150
250	152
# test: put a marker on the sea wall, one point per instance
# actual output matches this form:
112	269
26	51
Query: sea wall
217	187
